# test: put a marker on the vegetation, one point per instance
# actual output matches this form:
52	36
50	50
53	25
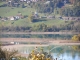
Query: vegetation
74	47
8	55
43	25
35	55
57	7
76	38
44	8
61	7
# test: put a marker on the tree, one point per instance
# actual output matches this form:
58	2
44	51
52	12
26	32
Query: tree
76	48
31	18
7	54
76	38
42	27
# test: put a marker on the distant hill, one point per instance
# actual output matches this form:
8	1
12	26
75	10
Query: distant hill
19	16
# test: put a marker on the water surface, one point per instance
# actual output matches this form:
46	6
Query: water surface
54	36
60	52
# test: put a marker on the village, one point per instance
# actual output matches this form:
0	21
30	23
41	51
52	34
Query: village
20	15
36	16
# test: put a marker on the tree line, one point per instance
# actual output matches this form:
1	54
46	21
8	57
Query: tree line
61	7
72	26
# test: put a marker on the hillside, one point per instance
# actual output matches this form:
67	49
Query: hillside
40	15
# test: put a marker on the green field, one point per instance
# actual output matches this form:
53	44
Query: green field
13	11
25	22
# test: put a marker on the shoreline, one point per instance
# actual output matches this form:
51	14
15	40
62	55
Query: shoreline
37	41
40	32
18	47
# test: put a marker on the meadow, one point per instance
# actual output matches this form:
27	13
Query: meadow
13	11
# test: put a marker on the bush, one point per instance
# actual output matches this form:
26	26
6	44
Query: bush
76	38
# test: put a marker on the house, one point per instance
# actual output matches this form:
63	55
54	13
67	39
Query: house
47	2
50	17
11	18
34	0
16	4
28	1
16	17
65	1
71	18
23	0
35	14
4	18
65	18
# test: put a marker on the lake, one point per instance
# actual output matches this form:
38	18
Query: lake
60	52
54	36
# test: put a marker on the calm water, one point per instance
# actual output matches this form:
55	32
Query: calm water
60	52
55	36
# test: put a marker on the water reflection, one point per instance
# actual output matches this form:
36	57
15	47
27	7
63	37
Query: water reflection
61	52
55	36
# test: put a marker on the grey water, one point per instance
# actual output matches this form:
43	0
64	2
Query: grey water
60	52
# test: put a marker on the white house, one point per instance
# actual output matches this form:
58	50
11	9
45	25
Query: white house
12	18
22	0
17	17
34	0
47	2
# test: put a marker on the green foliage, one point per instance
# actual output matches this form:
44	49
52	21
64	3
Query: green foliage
76	48
8	11
35	55
70	11
54	6
76	38
31	18
40	27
